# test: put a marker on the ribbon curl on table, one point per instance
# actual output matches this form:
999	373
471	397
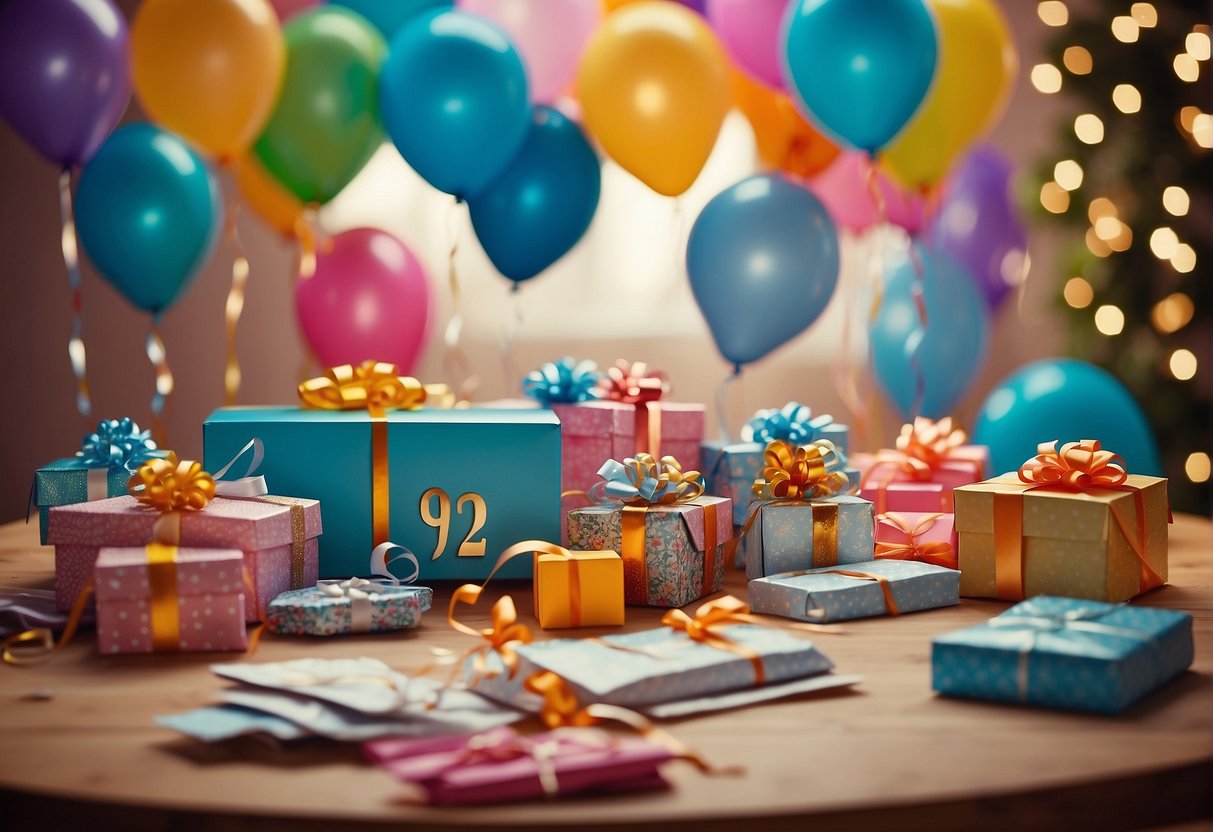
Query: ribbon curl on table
938	552
794	423
563	382
117	443
632	383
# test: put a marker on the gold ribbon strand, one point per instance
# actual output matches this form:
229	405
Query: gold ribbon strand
71	261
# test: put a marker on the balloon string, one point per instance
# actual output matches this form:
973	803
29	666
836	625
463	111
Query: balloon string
71	260
508	368
306	225
158	357
234	307
914	342
722	408
455	361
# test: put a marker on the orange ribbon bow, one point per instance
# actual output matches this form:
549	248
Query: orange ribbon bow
938	552
708	618
167	484
501	638
1078	466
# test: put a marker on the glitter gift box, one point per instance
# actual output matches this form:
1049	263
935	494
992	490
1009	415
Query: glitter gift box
858	590
345	607
803	535
1065	653
926	537
164	598
930	460
277	535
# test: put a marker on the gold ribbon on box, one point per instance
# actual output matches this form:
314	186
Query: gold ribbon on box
377	387
886	586
801	475
1082	466
923	446
632	383
938	553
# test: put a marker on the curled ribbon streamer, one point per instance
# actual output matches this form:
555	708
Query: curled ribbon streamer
563	382
794	423
158	357
632	383
169	485
939	553
233	308
643	481
251	484
117	443
70	247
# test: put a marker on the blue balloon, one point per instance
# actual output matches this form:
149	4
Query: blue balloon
148	214
763	263
949	351
453	95
541	206
859	68
388	16
1064	399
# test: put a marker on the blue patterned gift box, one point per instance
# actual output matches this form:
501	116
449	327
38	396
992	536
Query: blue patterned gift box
330	609
786	538
1065	653
829	594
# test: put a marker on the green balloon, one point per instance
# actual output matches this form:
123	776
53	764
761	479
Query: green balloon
325	125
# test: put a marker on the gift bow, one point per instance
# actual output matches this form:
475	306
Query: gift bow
166	484
923	446
563	382
632	383
800	472
1078	466
703	628
501	638
376	386
794	423
938	553
642	480
117	443
360	590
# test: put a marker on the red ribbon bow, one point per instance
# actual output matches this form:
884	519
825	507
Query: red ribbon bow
632	383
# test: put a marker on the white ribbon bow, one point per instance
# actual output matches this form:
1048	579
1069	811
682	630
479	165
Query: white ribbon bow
360	590
251	484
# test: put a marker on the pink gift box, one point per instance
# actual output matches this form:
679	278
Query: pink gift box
892	489
261	528
898	531
210	593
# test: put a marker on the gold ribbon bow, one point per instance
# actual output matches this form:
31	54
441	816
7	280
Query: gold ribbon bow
632	383
375	386
1077	466
501	638
799	472
656	483
704	626
938	553
168	484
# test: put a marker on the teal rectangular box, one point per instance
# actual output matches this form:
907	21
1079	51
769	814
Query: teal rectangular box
66	482
498	469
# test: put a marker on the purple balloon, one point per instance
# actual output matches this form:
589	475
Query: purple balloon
64	77
979	225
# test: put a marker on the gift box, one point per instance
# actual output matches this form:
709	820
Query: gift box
1018	539
861	590
926	537
930	460
1065	653
162	598
456	486
348	607
278	536
578	589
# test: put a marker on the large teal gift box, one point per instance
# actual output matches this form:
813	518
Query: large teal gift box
1065	653
459	485
860	590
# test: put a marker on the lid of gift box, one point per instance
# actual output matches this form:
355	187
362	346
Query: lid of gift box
250	525
690	514
66	481
602	418
1055	513
121	573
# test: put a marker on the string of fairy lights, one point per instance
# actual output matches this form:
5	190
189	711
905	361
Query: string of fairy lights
1109	231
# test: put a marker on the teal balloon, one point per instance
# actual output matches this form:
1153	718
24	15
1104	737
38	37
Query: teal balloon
859	68
763	263
949	351
453	96
542	205
148	213
389	16
1067	400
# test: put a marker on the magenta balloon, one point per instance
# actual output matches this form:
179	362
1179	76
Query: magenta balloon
549	34
64	78
750	31
843	187
368	299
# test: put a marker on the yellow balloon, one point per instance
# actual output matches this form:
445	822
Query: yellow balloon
785	141
977	67
209	71
654	89
280	208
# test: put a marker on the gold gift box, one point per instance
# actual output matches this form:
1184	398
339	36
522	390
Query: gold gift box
1070	543
580	589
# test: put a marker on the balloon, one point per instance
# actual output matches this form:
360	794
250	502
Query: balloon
785	140
64	81
844	189
324	128
280	208
977	67
148	214
389	16
369	298
542	205
654	87
454	100
611	5
549	36
1064	399
749	30
763	263
979	226
859	68
208	71
951	350
286	9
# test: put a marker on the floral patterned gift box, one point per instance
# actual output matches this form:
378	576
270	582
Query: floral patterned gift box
858	590
1065	653
356	605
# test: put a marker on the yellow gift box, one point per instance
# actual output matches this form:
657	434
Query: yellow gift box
578	589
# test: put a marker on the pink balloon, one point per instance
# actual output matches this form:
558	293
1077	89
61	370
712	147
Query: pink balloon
843	188
368	299
285	9
549	34
750	31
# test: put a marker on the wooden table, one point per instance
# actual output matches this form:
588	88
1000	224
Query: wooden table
77	743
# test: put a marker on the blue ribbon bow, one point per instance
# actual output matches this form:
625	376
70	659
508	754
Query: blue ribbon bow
563	382
644	480
117	443
794	423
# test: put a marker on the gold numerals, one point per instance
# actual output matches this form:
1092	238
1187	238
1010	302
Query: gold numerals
441	521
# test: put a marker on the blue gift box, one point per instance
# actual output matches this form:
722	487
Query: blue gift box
462	484
785	538
823	595
1064	653
68	481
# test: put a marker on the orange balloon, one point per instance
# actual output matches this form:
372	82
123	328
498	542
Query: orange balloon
280	208
784	139
209	71
654	88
